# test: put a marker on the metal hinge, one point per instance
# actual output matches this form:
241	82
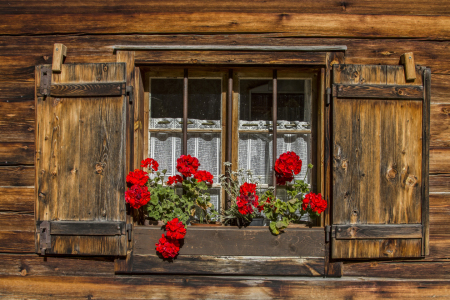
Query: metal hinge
327	233
129	90
46	80
45	239
129	229
328	96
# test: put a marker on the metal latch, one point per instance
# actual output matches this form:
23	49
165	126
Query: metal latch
129	229
45	239
327	233
46	80
328	96
130	94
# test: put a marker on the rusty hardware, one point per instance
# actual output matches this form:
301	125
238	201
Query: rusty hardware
46	80
327	233
328	96
130	94
129	229
45	239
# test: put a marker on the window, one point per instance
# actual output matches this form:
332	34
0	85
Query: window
251	126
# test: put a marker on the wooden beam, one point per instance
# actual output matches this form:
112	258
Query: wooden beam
231	48
378	91
410	67
59	52
385	231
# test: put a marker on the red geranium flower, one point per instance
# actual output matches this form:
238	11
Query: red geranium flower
137	196
187	165
315	202
150	163
244	206
248	188
174	179
168	247
204	176
286	166
175	229
137	177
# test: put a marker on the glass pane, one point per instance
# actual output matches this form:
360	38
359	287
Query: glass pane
207	148
294	100
166	148
255	152
204	100
166	98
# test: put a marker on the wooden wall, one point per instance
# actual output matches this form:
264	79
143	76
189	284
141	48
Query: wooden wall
375	32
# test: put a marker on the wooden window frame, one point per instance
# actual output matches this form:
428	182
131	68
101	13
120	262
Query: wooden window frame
197	257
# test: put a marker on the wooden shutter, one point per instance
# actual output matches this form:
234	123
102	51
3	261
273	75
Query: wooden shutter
380	136
81	159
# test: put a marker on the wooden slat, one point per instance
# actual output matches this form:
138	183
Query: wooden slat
16	154
86	228
229	241
379	92
17	241
226	265
88	89
224	287
377	249
16	120
439	183
301	24
13	221
17	176
440	126
403	231
16	199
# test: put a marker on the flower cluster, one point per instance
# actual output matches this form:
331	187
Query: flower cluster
315	202
286	166
187	165
137	195
168	245
247	199
204	176
174	179
150	163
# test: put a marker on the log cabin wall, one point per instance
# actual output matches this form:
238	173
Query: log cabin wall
375	32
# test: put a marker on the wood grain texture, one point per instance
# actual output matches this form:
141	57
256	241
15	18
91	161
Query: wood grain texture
229	241
87	89
379	91
17	199
17	241
376	249
13	221
402	231
202	287
439	183
299	24
16	154
226	265
17	176
397	7
16	121
81	159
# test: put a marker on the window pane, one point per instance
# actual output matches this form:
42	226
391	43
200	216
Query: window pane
166	98
255	152
207	148
255	100
204	100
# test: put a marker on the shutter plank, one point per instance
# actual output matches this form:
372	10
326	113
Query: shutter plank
84	156
377	167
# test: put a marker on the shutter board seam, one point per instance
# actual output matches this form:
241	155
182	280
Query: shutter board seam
372	91
397	231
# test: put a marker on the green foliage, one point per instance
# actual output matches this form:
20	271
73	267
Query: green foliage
165	204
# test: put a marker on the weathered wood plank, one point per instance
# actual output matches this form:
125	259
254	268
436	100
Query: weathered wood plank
202	287
377	249
437	7
87	89
229	241
440	214
17	241
10	221
16	176
16	199
415	269
86	228
440	127
226	265
439	183
402	231
16	90
34	265
379	92
300	24
16	154
16	120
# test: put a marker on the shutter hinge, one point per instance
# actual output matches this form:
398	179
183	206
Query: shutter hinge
45	239
129	229
46	80
328	96
327	233
130	94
